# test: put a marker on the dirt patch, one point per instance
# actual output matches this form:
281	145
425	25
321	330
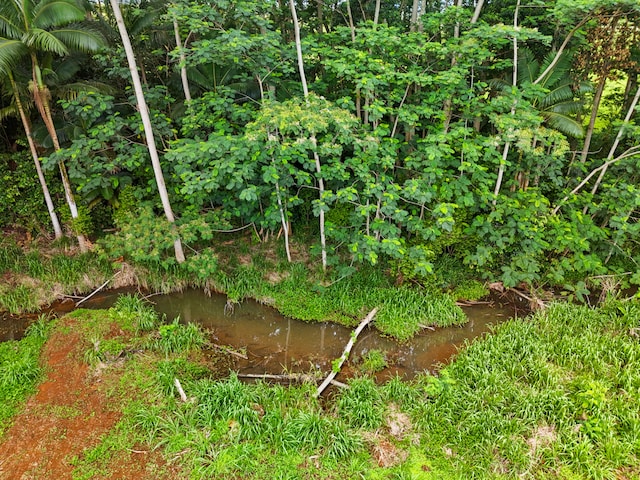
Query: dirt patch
67	415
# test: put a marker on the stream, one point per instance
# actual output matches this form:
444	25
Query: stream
275	344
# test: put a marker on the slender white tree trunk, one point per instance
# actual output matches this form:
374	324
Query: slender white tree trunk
285	222
476	12
305	89
614	147
36	160
41	98
148	129
183	66
414	15
507	145
597	97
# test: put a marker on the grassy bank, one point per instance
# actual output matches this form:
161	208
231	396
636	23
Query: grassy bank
32	279
553	396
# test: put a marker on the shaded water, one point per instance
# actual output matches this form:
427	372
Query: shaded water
275	344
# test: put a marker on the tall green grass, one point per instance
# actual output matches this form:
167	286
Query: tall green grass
553	396
20	370
557	393
402	310
37	278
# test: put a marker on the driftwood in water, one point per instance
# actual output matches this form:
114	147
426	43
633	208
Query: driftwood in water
230	351
97	290
347	349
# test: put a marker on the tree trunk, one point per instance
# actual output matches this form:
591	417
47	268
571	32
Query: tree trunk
285	222
376	14
414	15
612	151
351	25
41	99
148	129
320	10
476	12
597	96
36	160
183	66
305	89
514	81
448	104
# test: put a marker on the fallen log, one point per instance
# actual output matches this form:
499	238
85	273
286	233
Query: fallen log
345	353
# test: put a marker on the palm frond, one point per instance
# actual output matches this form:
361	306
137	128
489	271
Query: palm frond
142	22
10	27
564	124
570	107
38	39
11	52
71	91
584	87
8	111
561	93
528	66
80	38
561	70
56	13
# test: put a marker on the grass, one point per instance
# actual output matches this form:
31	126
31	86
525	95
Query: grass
553	396
20	369
33	279
402	311
373	361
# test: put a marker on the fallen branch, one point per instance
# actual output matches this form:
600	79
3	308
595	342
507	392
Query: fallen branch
97	289
298	377
345	353
427	327
534	302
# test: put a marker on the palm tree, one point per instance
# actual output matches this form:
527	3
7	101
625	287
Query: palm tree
560	103
36	30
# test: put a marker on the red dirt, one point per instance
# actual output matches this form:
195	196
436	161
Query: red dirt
68	414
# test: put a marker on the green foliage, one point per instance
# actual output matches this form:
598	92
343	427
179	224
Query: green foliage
559	374
135	310
21	198
20	369
144	238
470	290
374	361
18	299
175	337
361	404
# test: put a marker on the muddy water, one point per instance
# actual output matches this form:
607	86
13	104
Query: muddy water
275	344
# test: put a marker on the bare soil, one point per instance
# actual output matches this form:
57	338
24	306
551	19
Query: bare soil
68	414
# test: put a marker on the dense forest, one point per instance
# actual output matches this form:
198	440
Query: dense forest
498	136
354	163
